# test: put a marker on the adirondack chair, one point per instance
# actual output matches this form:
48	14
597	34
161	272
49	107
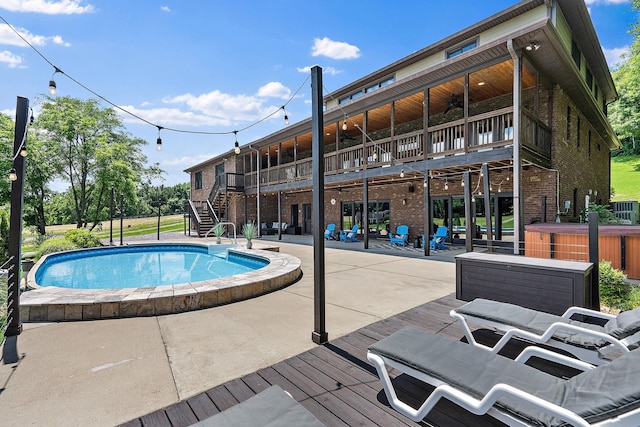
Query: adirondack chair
401	235
438	239
330	232
349	235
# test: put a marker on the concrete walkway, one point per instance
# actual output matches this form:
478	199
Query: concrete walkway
102	373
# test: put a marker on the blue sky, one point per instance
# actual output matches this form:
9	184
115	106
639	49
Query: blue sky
218	66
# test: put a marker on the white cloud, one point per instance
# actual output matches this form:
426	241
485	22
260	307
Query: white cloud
13	61
10	113
165	8
613	56
49	7
274	90
334	50
187	161
326	70
225	107
9	37
170	117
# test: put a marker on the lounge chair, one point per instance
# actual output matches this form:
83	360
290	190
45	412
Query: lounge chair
401	235
438	239
508	390
349	235
272	407
330	232
587	341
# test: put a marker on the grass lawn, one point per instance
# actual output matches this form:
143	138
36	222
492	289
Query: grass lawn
625	178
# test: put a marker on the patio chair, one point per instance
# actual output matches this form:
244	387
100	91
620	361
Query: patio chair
508	390
330	232
438	239
272	407
349	235
401	235
586	341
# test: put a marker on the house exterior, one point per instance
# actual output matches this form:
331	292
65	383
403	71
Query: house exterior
516	104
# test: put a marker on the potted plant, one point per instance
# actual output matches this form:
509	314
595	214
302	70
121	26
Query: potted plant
249	230
218	231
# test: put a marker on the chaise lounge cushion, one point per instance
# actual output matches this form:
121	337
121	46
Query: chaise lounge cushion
531	320
270	408
595	395
624	325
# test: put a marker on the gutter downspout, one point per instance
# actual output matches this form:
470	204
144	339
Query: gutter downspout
517	66
259	224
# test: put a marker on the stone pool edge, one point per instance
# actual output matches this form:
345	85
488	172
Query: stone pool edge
52	304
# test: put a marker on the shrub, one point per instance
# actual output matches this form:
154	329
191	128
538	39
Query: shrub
615	291
40	238
82	238
58	244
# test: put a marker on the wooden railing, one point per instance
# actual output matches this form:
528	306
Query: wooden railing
483	131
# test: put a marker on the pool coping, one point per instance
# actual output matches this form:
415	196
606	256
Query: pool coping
52	304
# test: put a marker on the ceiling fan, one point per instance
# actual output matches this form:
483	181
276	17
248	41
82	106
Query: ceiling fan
344	135
453	102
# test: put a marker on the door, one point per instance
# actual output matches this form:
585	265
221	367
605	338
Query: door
306	218
294	215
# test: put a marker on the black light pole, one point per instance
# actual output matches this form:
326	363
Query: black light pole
14	324
319	335
121	217
111	218
159	203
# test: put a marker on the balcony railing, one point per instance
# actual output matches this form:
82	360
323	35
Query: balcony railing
480	132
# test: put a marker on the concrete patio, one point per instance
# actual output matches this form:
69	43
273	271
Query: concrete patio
110	371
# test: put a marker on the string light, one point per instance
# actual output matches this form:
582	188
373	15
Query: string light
402	173
424	184
236	148
446	184
53	91
159	141
286	118
13	175
344	124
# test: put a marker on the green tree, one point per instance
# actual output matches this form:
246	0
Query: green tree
39	172
624	114
7	129
92	152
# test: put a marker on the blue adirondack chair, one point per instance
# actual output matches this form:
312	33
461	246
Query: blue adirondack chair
349	235
401	235
438	239
330	232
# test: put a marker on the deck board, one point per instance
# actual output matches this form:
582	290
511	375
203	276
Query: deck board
336	382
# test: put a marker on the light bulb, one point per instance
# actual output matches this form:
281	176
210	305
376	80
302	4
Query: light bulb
13	175
52	88
424	184
375	156
236	149
402	173
159	144
446	185
286	119
344	125
23	152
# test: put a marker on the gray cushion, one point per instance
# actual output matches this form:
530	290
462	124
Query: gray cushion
270	408
531	320
624	325
595	395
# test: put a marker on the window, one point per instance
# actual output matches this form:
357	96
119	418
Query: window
198	180
578	133
219	168
568	123
462	49
368	89
589	78
576	54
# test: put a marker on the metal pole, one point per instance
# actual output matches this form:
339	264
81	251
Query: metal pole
428	221
159	201
279	215
365	214
595	259
121	217
319	335
468	212
487	206
111	217
517	164
14	323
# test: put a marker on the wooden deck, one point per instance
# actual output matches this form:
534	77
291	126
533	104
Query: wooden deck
336	382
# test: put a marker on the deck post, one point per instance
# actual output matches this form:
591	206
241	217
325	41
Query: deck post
319	335
468	212
594	258
487	207
14	323
365	214
428	220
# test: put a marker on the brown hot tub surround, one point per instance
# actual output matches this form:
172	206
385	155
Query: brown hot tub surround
618	244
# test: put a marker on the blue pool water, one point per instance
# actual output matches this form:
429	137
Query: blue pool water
142	266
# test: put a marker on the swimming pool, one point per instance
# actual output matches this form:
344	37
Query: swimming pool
142	266
55	303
